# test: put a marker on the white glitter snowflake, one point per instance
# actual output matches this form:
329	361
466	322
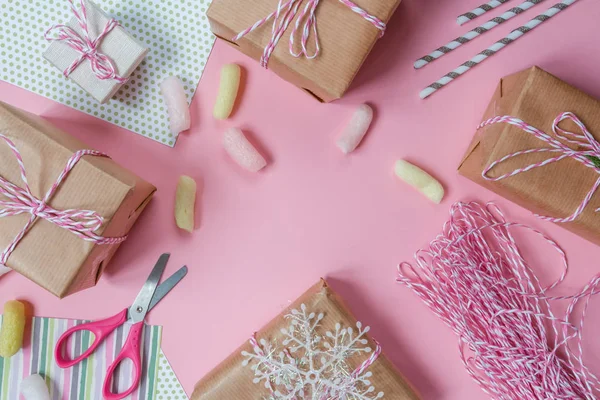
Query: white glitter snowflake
309	366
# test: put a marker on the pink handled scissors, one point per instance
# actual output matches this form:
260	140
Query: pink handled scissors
148	297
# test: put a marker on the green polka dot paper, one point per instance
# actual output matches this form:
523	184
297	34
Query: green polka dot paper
176	32
167	384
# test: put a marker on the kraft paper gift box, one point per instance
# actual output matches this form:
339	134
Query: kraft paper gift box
123	50
345	38
557	189
50	255
243	375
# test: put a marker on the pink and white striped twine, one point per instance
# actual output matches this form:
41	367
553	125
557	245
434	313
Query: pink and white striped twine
306	22
474	277
588	150
20	200
368	362
101	64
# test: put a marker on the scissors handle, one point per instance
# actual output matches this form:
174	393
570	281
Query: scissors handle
100	329
131	350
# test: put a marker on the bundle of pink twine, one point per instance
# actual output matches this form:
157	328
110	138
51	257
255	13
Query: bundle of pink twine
100	63
474	277
18	200
306	23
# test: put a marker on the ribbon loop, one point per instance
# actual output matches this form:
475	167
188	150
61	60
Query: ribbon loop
307	14
306	24
20	200
587	152
100	63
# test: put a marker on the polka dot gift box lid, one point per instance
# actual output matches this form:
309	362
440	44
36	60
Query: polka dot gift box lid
176	32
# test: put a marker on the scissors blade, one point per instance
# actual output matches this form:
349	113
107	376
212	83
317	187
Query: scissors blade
139	308
167	285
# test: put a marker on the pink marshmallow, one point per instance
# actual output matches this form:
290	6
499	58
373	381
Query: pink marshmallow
242	151
177	105
356	129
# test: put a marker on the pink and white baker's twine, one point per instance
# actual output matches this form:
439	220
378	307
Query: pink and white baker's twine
20	200
368	362
306	23
101	64
587	150
512	340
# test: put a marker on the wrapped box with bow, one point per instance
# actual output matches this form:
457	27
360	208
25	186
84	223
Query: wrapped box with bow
539	146
93	50
315	349
64	209
318	45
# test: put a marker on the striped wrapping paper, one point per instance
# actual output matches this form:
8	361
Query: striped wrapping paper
84	380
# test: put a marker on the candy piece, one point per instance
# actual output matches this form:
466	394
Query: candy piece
242	151
177	105
420	180
13	326
34	388
185	199
356	129
228	90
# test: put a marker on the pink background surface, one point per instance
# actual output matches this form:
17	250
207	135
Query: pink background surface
263	239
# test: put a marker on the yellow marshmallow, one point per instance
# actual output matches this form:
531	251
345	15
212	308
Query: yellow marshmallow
13	327
185	198
228	91
420	180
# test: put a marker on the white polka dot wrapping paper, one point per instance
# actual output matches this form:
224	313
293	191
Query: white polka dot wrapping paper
176	32
167	384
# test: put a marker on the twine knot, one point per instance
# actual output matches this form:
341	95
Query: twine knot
18	200
581	147
100	63
306	23
39	209
90	52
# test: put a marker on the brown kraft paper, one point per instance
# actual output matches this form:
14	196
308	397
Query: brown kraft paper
556	189
232	380
345	38
49	255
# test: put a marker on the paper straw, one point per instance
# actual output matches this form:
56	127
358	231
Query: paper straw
496	47
467	37
482	9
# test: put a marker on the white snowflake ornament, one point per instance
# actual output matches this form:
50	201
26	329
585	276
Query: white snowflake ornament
309	366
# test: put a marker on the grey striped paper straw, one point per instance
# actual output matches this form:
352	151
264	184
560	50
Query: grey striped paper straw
496	47
482	9
467	37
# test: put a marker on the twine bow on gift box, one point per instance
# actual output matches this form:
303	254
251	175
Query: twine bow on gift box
101	64
587	153
306	22
20	200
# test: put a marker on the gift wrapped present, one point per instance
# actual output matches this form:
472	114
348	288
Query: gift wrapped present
94	51
538	147
64	209
322	61
315	349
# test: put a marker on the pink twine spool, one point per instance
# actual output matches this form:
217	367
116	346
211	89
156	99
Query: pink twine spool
306	23
586	151
20	200
87	47
475	279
